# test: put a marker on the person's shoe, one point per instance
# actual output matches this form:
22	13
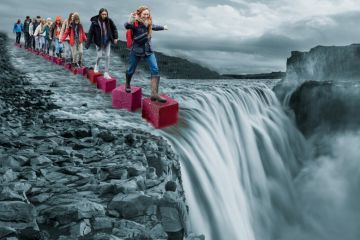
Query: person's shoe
96	68
127	83
74	65
155	90
107	76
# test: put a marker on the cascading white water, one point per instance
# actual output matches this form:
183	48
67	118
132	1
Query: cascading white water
239	154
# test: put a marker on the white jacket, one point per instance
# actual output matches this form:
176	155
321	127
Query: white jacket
39	31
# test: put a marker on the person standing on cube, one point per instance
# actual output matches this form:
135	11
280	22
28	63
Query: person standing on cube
102	32
141	25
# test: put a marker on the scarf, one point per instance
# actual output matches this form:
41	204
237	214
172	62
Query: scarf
104	33
77	33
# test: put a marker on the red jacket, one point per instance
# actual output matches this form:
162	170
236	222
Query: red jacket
70	30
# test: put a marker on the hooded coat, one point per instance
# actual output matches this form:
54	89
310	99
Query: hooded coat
94	34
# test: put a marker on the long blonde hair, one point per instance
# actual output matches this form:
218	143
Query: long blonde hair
139	11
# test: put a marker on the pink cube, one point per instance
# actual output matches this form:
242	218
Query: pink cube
80	71
59	61
130	101
106	85
67	66
92	76
161	115
18	45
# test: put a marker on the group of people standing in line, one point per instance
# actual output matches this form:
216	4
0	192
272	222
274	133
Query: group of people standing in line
67	39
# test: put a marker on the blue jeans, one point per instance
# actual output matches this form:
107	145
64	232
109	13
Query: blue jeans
58	46
151	61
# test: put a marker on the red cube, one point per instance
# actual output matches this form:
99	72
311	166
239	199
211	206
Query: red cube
130	101
92	76
59	61
160	115
80	71
53	59
68	66
106	85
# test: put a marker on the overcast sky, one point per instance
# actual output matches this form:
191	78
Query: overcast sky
230	36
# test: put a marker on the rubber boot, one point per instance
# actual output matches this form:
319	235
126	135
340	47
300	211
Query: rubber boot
155	80
127	83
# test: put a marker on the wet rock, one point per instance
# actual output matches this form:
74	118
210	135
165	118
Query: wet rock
40	161
7	232
129	139
130	205
82	133
101	223
104	236
9	176
9	195
125	228
106	136
66	213
81	229
136	170
16	211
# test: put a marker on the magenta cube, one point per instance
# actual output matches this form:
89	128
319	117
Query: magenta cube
92	76
106	85
130	101
160	115
67	66
80	71
59	61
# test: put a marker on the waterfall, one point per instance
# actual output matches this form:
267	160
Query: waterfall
239	154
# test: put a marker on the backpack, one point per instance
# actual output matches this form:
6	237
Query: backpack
129	35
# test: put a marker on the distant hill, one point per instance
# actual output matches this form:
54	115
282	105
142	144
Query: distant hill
172	67
272	75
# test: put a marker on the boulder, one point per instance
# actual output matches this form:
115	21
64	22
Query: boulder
130	205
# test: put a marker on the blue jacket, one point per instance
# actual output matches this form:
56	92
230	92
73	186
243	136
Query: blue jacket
18	27
142	49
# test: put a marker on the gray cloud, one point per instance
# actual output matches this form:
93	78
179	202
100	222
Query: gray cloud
230	36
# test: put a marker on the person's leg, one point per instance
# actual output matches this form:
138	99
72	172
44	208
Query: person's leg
37	43
68	54
57	46
133	62
81	51
99	54
107	57
74	53
155	78
18	37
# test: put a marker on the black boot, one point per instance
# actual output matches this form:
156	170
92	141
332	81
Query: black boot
127	83
155	90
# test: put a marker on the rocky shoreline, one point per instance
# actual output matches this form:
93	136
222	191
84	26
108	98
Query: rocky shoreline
67	179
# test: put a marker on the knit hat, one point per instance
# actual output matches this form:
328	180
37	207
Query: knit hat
58	18
48	19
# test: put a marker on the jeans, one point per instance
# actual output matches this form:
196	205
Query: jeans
175	235
58	46
46	46
103	52
18	37
41	43
151	61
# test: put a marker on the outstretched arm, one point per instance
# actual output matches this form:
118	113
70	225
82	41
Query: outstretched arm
159	28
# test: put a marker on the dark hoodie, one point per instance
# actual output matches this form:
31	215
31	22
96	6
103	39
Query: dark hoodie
94	34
